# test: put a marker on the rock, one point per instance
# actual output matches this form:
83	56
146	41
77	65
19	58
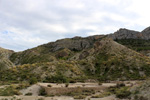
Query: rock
74	44
130	34
124	34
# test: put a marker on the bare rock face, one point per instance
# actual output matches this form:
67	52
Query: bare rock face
125	34
146	33
130	34
74	44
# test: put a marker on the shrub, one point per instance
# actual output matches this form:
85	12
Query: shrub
59	78
9	91
49	85
123	92
33	80
67	84
72	81
79	97
42	92
99	83
104	94
120	85
28	94
40	99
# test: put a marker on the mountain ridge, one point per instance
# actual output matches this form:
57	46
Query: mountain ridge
96	57
124	33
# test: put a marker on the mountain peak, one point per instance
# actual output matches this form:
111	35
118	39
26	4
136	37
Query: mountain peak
124	33
146	30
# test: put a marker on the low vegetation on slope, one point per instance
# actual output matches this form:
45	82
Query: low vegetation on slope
64	49
105	60
139	45
139	41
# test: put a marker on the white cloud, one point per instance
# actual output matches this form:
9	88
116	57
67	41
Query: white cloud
30	23
141	7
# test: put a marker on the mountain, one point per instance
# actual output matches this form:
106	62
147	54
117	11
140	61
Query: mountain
77	59
99	57
138	41
125	34
64	49
131	34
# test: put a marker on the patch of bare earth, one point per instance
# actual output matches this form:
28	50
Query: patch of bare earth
34	90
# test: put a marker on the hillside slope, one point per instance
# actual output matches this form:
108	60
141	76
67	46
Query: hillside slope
131	34
61	49
139	41
103	60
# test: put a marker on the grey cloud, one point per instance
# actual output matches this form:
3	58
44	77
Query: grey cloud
34	22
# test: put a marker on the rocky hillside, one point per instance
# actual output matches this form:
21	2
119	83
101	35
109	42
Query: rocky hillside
61	49
77	59
139	41
130	34
125	34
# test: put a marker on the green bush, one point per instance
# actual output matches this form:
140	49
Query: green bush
104	94
67	84
33	80
9	91
59	78
79	97
49	85
123	92
42	92
28	94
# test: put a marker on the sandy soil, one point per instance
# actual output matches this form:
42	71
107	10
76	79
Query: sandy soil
37	97
112	97
78	85
56	98
34	89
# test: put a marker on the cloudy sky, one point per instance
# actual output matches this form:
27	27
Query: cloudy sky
27	23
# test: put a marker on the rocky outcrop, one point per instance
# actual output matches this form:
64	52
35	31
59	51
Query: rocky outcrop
125	34
130	34
74	44
146	33
55	49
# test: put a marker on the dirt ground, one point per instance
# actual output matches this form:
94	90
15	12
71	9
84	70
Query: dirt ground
34	89
112	97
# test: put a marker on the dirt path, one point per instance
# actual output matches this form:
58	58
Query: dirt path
34	89
77	85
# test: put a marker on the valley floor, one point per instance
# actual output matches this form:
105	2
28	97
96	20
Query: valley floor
54	98
34	90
